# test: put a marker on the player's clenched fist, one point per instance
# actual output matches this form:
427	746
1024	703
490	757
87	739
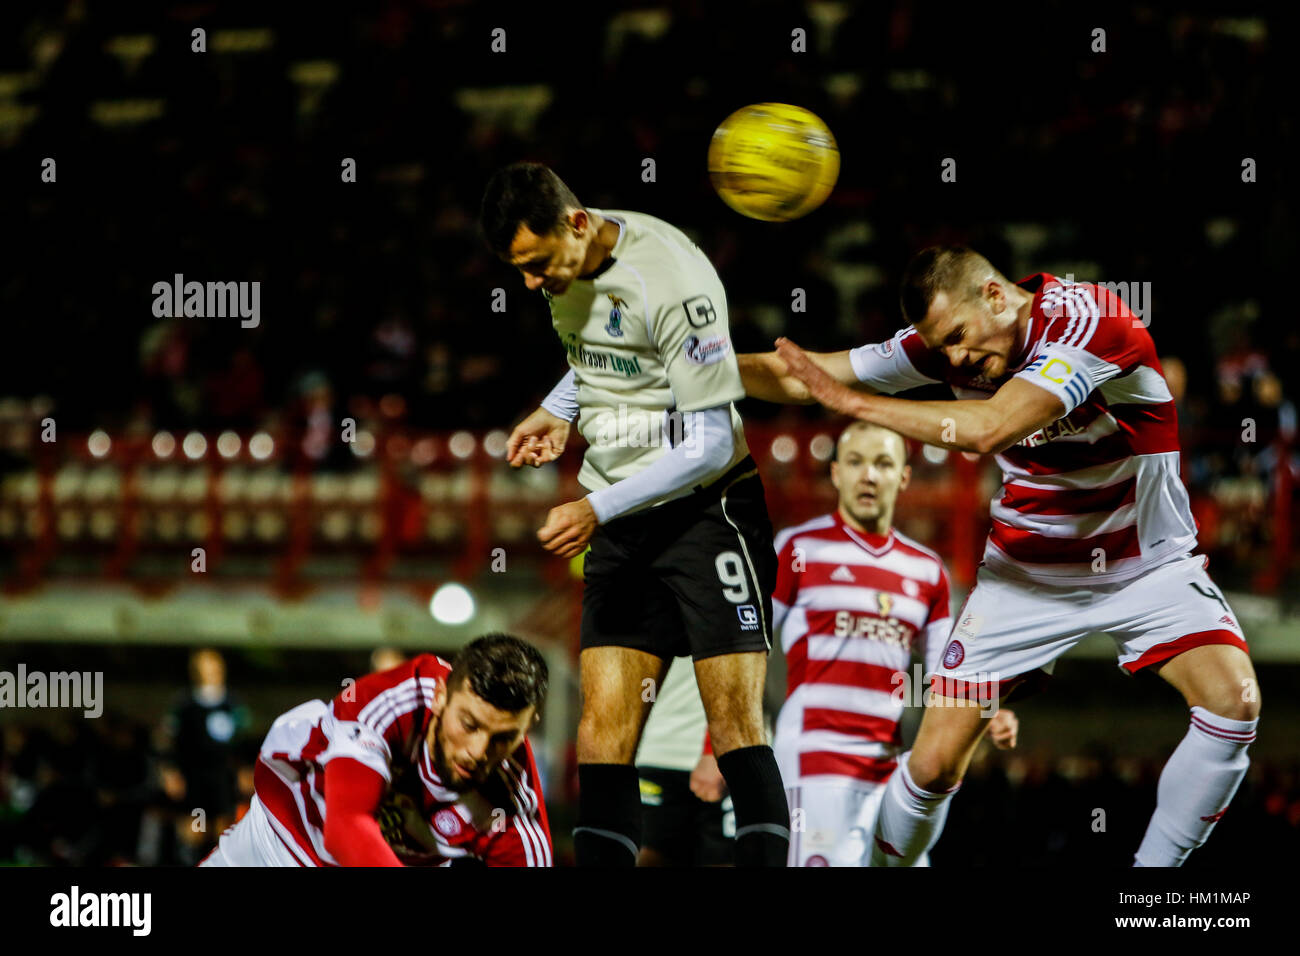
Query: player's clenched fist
707	781
568	528
1003	727
539	438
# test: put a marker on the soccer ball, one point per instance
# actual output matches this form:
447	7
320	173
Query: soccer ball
773	161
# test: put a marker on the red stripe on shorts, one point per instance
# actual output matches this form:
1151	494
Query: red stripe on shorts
1163	652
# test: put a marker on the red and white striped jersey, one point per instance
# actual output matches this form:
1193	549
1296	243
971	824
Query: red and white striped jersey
382	721
1097	493
850	608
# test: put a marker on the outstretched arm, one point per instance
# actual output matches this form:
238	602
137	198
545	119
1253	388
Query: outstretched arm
766	376
1016	410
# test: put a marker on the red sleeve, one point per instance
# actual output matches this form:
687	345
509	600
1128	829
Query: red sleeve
525	839
941	599
352	794
928	362
708	743
787	576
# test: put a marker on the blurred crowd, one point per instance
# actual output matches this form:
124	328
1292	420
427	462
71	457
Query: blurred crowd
377	295
382	287
116	791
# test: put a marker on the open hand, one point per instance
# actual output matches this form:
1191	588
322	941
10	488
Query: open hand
539	438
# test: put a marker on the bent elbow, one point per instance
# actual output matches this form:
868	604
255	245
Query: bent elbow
990	441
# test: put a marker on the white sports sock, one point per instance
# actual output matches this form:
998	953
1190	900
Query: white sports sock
1196	787
910	819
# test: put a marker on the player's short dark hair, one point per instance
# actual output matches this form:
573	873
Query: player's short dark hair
951	269
508	673
528	194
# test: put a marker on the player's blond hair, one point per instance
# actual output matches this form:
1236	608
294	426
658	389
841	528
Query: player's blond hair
861	426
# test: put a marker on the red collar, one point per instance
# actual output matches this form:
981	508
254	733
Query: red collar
874	544
1037	283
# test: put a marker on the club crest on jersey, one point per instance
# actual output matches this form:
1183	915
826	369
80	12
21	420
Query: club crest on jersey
954	654
614	326
886	603
910	588
447	822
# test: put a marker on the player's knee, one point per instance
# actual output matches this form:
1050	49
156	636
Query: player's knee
1235	699
1235	707
606	739
933	771
733	731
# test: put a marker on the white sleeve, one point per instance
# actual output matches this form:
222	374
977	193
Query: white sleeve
706	448
1069	373
562	402
887	367
361	742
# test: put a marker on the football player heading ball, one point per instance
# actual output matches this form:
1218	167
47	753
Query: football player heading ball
681	559
1091	531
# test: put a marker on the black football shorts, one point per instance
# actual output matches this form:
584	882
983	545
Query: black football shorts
690	577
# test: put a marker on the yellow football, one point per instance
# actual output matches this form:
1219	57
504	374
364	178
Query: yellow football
773	161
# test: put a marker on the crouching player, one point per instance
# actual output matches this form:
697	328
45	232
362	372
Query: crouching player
425	764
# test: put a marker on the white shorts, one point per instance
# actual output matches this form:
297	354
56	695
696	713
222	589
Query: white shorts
837	825
1008	629
251	842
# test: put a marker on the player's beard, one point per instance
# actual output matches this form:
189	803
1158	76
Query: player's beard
451	779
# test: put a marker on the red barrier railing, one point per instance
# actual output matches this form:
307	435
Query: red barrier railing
135	506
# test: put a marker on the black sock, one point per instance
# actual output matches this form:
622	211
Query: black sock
762	816
609	815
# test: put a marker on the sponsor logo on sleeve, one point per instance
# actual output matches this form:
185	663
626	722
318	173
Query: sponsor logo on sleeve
706	351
